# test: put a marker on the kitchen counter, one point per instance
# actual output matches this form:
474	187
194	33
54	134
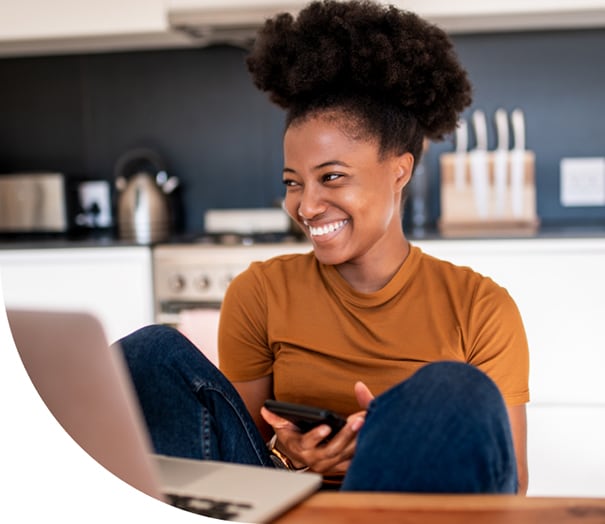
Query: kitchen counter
61	241
593	230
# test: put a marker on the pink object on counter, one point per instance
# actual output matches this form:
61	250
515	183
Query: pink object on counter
201	327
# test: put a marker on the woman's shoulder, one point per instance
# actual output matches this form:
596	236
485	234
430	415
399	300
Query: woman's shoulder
463	286
452	273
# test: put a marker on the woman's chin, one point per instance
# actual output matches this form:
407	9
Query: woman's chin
329	256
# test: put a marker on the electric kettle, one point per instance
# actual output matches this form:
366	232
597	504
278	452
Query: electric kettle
143	209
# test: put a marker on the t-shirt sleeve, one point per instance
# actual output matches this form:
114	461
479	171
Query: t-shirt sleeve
498	343
242	336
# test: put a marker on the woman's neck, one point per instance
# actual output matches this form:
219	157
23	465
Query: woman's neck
376	268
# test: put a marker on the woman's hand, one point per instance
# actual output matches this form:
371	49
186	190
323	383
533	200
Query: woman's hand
309	449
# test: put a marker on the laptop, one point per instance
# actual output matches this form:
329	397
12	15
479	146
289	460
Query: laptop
86	386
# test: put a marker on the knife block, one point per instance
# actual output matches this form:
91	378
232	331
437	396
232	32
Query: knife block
499	216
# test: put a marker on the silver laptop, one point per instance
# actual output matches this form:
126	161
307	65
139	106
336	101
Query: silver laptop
86	386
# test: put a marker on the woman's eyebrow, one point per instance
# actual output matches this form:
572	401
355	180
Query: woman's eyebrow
331	163
320	166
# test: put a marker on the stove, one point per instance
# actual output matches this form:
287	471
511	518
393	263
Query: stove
195	274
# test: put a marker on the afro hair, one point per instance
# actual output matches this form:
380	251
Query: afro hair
395	73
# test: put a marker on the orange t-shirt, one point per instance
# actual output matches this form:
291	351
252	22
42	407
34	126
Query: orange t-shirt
300	321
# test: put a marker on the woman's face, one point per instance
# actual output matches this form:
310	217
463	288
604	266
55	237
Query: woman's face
345	197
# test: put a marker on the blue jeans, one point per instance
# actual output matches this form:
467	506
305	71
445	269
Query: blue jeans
444	430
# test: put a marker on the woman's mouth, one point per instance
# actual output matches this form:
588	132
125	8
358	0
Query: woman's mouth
326	228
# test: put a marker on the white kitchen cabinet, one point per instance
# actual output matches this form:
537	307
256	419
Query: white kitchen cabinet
57	26
113	283
559	287
565	450
26	19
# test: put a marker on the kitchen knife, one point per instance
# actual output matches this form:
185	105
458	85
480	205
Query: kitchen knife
517	161
460	156
479	168
501	161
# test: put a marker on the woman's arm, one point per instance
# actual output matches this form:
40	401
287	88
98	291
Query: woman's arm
518	424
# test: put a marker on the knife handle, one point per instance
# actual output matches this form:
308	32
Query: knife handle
480	125
501	119
518	124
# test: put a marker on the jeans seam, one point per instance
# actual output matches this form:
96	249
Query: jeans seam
202	385
205	433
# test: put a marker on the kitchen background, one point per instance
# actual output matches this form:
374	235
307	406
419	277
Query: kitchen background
222	138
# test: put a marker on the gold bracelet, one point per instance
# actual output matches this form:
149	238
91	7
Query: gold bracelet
281	460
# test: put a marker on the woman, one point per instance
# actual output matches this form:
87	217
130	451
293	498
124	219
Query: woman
365	314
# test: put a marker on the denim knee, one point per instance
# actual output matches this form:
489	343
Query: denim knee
149	346
444	430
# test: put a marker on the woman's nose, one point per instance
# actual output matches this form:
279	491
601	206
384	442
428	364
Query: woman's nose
311	203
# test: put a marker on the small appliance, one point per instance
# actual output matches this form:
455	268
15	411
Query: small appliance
33	202
144	210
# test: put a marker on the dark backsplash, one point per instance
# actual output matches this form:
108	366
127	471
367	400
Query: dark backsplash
222	138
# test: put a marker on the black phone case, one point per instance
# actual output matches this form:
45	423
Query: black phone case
306	417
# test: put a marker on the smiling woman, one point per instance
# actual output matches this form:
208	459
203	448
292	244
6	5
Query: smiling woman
427	361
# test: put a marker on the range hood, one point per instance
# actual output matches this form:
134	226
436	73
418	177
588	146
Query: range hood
232	22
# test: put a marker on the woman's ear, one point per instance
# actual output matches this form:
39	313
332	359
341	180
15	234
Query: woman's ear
404	166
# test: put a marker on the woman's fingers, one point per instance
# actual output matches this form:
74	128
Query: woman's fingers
275	421
334	455
363	394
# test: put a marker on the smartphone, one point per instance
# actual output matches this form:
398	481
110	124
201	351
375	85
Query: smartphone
306	417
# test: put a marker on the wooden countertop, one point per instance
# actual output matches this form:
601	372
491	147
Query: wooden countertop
354	508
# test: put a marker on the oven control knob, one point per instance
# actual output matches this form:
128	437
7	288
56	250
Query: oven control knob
176	282
227	280
202	282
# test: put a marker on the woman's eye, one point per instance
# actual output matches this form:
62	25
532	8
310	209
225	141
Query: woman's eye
330	177
289	183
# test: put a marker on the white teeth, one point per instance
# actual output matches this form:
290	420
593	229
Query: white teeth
324	230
